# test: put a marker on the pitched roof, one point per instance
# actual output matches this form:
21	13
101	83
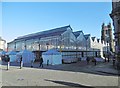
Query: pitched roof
77	33
87	36
2	39
98	40
93	38
52	32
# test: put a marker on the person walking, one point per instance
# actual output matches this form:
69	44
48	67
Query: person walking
32	61
88	60
47	62
21	63
95	61
8	62
41	62
113	61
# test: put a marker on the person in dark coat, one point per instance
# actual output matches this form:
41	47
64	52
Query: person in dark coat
88	60
113	60
41	62
8	62
95	61
21	62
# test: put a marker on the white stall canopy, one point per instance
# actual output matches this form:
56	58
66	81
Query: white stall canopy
52	57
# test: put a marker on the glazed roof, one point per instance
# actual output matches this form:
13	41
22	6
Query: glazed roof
87	36
52	32
77	33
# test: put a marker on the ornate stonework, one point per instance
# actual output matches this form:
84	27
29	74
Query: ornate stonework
115	15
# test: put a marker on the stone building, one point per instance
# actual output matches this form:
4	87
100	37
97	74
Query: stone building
115	15
106	36
2	44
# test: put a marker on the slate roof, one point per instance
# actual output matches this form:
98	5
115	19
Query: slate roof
52	32
87	36
98	40
77	33
93	38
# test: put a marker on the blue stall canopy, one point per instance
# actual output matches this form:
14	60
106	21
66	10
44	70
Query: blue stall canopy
2	53
11	53
27	56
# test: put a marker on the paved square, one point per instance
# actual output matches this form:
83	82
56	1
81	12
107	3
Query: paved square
56	76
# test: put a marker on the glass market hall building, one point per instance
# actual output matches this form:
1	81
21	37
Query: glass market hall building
70	44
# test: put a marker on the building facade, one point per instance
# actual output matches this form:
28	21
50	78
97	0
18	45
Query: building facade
106	36
2	44
70	44
115	15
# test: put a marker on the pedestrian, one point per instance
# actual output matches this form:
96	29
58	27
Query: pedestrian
87	59
105	59
8	62
113	60
47	62
94	60
41	62
32	63
21	62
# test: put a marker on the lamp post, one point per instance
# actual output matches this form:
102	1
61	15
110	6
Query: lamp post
76	48
47	45
15	47
93	49
86	48
25	45
38	42
39	47
107	51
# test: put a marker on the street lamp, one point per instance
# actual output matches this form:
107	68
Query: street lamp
86	48
107	52
38	42
93	49
25	45
15	47
47	45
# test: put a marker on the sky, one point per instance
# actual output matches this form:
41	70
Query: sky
22	18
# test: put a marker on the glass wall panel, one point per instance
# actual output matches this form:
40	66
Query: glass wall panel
35	44
11	46
29	44
18	46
